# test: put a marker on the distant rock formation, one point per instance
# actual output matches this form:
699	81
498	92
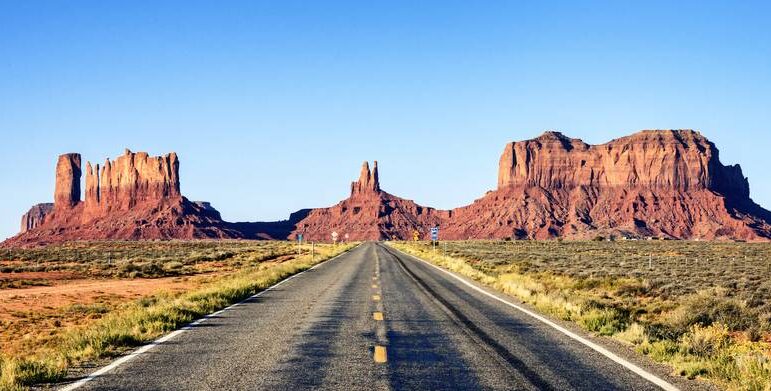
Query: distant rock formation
368	182
131	179
653	184
67	190
369	213
681	160
35	216
133	197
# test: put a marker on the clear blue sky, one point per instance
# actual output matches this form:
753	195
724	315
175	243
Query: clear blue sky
272	106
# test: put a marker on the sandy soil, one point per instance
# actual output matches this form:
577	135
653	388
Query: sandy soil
51	276
84	291
31	317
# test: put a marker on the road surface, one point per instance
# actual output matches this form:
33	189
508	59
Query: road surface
323	330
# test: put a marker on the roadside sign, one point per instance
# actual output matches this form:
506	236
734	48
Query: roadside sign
334	236
346	237
435	233
299	237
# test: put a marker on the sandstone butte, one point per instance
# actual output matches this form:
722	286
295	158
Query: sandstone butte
133	197
652	184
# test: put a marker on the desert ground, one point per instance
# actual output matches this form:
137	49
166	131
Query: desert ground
56	302
703	308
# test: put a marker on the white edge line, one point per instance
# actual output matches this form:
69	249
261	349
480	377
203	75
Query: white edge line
597	348
145	348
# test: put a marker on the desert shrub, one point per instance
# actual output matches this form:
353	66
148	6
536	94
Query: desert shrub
704	341
632	289
125	268
659	331
663	350
634	334
17	373
173	267
693	369
87	309
712	307
698	306
152	269
605	321
751	369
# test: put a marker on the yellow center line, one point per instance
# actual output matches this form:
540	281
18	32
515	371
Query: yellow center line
380	354
376	297
377	315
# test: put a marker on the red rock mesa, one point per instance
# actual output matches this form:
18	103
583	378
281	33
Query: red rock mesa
133	197
655	183
369	213
652	184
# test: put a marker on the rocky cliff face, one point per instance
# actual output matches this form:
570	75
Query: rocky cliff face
368	182
67	189
35	216
136	196
681	160
368	214
131	179
655	183
661	183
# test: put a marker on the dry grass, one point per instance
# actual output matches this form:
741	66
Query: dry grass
88	327
704	308
113	259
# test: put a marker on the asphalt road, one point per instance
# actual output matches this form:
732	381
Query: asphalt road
319	331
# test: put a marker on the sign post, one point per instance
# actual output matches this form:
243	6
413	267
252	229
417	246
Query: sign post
334	237
434	236
299	244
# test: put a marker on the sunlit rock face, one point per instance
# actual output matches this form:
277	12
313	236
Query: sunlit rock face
134	196
655	183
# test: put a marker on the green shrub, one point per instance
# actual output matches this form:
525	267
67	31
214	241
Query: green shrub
606	321
705	341
711	307
172	267
17	373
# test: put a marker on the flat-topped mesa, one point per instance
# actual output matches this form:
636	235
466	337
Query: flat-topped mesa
676	159
131	179
134	197
67	190
368	182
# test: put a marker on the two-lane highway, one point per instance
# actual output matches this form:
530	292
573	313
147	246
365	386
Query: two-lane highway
373	318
